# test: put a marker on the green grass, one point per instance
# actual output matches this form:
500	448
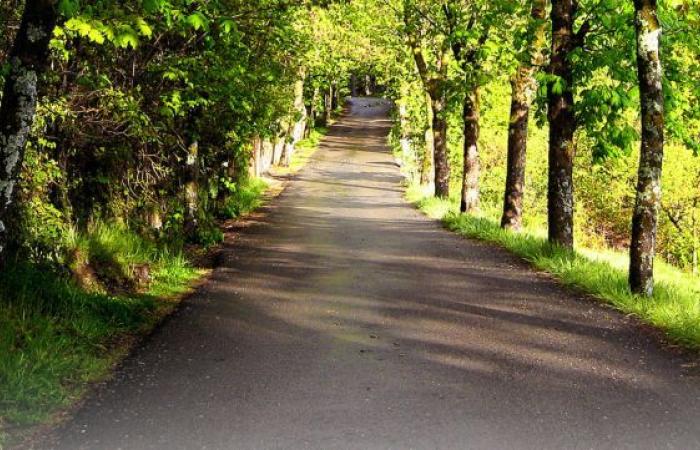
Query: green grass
674	308
245	198
304	150
57	337
60	332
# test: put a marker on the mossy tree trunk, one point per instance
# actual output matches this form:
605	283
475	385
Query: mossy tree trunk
648	199
28	59
470	177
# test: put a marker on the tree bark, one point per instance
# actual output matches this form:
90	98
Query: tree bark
191	188
470	175
335	96
298	126
312	111
441	162
328	106
522	94
562	126
28	59
645	216
517	152
426	173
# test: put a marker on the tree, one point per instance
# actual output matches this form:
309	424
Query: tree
28	59
562	122
648	199
523	88
468	32
434	76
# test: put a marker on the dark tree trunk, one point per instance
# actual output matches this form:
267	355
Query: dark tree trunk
522	93
645	216
28	59
470	177
335	96
442	167
517	151
562	126
312	111
427	162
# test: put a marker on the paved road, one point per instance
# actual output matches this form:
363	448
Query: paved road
346	320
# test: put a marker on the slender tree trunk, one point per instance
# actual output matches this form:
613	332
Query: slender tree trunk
470	177
426	173
522	94
562	126
329	105
192	188
368	85
312	111
442	167
298	126
27	59
335	96
645	216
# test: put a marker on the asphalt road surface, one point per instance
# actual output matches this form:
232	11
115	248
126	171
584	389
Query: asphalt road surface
344	319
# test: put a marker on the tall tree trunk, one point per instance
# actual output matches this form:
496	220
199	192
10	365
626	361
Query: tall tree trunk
312	111
517	151
335	96
192	188
470	176
522	94
645	216
426	173
368	85
256	157
27	59
328	106
562	126
298	126
442	167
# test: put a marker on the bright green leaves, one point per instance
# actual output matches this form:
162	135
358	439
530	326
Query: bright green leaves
197	21
125	33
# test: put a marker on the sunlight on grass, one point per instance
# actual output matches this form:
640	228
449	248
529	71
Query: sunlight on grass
675	307
305	149
56	337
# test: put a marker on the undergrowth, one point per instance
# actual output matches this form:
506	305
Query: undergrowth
63	328
674	308
57	335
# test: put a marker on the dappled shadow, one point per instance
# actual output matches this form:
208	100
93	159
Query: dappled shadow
346	310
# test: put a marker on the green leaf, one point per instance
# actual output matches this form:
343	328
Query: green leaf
197	21
68	8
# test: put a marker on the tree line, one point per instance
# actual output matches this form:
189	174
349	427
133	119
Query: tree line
153	113
583	66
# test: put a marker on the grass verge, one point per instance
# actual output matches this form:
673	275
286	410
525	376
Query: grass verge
57	337
674	308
